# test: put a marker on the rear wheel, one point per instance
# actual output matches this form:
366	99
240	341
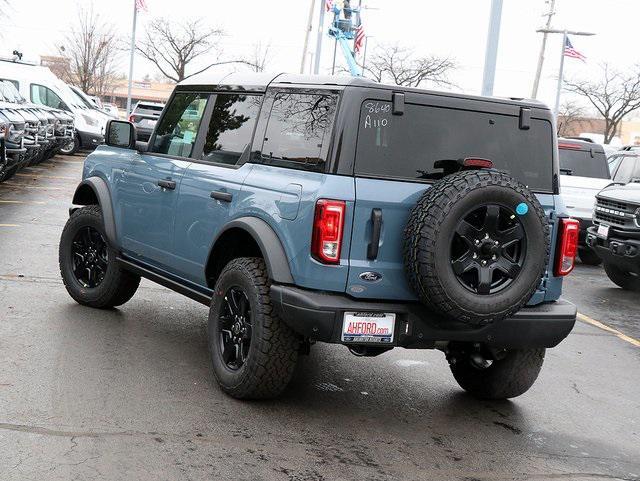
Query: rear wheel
252	351
629	281
88	264
511	375
589	257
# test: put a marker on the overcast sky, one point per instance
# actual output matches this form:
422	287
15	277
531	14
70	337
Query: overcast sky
454	28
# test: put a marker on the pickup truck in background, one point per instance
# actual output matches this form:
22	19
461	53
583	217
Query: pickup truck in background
584	172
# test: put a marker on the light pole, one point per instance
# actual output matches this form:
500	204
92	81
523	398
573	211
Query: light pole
491	53
561	72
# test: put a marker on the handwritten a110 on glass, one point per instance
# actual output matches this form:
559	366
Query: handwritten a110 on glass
377	114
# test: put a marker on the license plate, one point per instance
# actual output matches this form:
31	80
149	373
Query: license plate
368	327
603	231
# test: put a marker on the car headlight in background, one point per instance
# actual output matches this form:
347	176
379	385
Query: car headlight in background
3	131
90	121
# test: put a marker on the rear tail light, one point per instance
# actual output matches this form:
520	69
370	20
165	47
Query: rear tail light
567	246
328	225
478	162
132	118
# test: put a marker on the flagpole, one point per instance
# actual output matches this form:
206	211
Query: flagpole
560	73
318	54
133	51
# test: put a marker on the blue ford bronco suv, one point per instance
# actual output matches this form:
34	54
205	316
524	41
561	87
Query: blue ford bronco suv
305	209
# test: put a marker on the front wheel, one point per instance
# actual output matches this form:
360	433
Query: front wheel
252	351
629	281
509	376
589	257
71	147
88	264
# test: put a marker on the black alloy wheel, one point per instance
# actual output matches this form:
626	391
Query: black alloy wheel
89	257
235	328
488	249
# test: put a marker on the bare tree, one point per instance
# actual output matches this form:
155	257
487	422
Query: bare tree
172	48
401	66
90	54
570	113
614	95
260	57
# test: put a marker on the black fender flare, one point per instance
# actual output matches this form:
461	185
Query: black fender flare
102	193
272	249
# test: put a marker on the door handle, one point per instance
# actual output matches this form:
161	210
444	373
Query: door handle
222	196
167	184
376	227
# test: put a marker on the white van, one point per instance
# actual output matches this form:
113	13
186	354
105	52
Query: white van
40	86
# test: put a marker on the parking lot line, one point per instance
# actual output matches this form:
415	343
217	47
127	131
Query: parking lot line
9	225
38	176
30	202
43	187
604	327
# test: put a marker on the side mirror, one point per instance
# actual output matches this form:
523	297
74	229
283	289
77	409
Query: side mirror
121	134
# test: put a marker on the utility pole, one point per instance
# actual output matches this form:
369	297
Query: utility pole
561	71
491	53
536	82
316	65
307	36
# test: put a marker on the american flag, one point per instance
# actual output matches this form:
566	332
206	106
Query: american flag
328	5
569	51
359	42
141	5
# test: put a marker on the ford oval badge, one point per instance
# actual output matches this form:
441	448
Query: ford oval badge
370	276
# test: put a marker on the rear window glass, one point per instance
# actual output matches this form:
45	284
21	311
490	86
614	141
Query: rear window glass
406	146
628	169
153	108
583	164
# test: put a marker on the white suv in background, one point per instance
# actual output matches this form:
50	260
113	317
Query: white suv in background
584	172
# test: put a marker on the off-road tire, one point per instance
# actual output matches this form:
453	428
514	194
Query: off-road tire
627	280
274	347
428	238
589	257
118	285
503	379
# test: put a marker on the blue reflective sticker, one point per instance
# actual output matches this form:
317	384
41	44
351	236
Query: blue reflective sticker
522	208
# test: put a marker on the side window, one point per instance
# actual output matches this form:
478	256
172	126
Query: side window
45	96
298	128
176	133
231	127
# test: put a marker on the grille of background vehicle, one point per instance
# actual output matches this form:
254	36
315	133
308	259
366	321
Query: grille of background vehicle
613	212
613	204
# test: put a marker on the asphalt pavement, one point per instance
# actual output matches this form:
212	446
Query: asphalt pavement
128	394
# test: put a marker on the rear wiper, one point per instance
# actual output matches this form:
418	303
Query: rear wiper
566	171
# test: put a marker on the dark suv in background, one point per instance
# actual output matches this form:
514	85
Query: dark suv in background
616	231
144	116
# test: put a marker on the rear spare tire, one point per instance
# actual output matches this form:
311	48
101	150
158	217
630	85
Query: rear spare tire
476	246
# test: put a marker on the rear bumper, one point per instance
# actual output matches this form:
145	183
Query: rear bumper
617	250
319	315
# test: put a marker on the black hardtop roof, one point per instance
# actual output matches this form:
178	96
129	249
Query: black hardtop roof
261	81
